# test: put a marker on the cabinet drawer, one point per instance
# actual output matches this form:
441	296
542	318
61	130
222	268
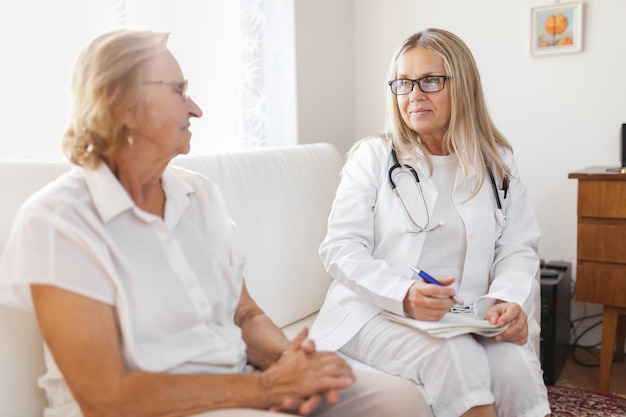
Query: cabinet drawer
602	284
602	199
602	240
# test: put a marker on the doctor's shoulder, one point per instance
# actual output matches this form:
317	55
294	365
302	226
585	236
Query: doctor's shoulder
507	156
377	147
369	157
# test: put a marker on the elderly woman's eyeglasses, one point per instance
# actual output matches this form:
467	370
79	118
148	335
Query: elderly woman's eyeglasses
181	86
428	84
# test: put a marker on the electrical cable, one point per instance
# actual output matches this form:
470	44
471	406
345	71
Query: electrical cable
575	325
591	349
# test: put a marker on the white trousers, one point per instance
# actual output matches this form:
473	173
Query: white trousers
457	373
372	395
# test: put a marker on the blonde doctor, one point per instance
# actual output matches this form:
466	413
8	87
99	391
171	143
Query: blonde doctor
440	191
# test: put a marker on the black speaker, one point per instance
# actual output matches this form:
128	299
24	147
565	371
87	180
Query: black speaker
555	318
623	145
622	168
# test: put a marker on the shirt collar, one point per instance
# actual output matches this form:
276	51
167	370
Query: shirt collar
177	195
108	195
110	198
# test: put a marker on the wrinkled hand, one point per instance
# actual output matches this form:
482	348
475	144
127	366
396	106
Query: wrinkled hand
503	313
302	376
429	302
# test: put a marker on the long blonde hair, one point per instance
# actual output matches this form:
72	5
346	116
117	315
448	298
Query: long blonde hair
472	135
105	82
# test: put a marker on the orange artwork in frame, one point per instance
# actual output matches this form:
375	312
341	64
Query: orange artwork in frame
557	29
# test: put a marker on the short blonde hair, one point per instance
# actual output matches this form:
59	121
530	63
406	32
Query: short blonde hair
472	136
105	82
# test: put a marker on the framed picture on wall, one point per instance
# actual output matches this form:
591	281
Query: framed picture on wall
557	29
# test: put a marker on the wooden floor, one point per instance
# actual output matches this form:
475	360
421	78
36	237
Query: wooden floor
575	374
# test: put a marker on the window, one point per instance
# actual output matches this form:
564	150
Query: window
237	55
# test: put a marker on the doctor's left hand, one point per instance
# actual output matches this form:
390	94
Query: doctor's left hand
503	313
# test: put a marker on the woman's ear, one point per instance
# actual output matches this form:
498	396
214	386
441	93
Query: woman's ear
128	118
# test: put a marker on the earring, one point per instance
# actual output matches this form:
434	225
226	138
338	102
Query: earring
131	140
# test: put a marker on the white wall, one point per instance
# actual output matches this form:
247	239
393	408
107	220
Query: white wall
325	71
561	113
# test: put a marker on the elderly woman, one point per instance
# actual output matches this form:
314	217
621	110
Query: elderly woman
129	266
440	190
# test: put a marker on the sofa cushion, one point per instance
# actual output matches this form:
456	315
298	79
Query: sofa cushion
280	201
18	180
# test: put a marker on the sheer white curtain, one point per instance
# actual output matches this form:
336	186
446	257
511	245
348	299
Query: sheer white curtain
237	55
268	46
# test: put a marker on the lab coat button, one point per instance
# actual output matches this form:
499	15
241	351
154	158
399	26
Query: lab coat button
472	235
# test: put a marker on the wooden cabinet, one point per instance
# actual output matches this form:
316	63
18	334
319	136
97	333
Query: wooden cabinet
601	256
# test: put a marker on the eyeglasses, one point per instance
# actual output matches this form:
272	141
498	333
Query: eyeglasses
181	86
428	84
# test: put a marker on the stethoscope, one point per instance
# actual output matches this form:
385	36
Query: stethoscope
501	218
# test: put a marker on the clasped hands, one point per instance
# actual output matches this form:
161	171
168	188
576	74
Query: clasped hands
428	302
301	377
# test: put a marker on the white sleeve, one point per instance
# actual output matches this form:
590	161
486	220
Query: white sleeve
516	261
46	248
347	251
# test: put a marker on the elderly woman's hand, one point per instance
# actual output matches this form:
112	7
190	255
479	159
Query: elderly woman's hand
302	376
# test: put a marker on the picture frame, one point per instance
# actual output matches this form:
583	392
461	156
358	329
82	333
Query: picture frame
557	29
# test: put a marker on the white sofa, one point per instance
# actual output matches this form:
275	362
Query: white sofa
279	197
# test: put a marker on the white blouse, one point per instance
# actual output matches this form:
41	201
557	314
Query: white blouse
175	282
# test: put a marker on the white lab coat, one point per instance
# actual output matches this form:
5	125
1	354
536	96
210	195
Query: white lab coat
366	251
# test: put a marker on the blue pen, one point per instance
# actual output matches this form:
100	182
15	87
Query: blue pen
423	275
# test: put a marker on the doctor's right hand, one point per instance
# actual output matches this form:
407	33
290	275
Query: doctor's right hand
429	302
